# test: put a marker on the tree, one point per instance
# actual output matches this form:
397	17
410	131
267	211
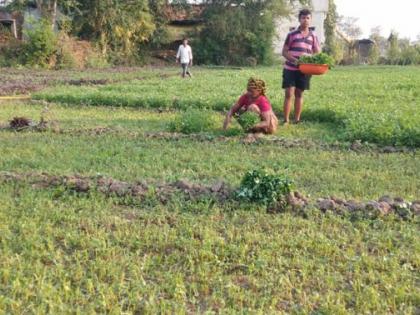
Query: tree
239	31
348	25
393	48
332	45
378	46
41	44
118	25
47	8
158	9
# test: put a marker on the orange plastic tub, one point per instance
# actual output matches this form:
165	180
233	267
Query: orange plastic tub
312	68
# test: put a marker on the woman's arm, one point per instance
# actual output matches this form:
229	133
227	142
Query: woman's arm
264	124
234	109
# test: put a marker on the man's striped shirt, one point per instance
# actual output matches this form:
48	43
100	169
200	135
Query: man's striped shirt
299	44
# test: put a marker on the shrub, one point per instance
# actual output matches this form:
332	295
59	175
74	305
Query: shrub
64	57
239	33
193	121
96	60
248	119
260	187
11	54
41	44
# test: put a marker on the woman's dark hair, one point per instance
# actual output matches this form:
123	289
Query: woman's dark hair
304	12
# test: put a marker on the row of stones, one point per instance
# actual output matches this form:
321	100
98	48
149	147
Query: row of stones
220	190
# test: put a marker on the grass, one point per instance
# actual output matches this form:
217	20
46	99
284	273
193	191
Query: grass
377	104
319	172
84	254
62	252
358	175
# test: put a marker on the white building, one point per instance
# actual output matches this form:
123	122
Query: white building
319	10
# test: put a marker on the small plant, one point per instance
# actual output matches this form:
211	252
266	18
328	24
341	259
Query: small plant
268	189
193	121
248	119
320	59
41	44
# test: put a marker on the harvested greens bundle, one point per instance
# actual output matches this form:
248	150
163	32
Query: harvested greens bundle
248	120
320	59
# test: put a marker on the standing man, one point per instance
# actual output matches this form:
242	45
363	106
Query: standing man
303	41
185	56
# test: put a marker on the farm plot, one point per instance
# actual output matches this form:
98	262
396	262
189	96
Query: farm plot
24	81
109	211
378	104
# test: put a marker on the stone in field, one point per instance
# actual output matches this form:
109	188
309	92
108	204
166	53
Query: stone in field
326	204
415	207
385	207
386	198
183	184
119	188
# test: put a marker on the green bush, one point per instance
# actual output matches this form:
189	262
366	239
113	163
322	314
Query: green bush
96	60
65	58
41	44
260	187
194	121
11	54
241	33
248	119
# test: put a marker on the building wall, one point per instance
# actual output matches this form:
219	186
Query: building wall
16	19
283	26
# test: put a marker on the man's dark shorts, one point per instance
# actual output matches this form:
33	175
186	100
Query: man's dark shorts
295	78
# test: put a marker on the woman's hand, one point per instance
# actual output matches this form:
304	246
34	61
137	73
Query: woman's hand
235	107
227	121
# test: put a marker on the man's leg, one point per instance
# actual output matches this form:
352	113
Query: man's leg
288	103
298	103
184	69
188	72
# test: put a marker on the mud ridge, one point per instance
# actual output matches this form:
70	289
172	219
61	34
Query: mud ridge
220	190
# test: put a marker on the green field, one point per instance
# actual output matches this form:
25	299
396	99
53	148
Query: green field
371	104
66	252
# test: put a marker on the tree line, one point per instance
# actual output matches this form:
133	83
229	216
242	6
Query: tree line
391	50
231	32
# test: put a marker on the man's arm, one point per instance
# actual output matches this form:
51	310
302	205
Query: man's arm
178	54
191	56
316	47
286	54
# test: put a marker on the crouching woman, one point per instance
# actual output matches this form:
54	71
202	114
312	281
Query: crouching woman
255	100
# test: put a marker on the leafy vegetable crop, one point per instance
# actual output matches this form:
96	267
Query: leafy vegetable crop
267	189
248	119
193	121
320	59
